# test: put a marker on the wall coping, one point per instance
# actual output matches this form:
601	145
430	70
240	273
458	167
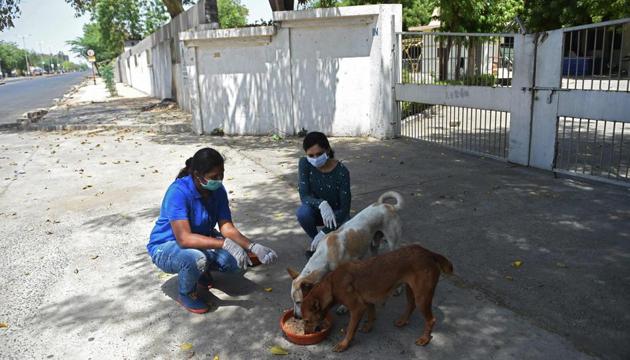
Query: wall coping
200	35
346	15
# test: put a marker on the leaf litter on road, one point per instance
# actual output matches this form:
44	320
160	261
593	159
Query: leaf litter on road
277	350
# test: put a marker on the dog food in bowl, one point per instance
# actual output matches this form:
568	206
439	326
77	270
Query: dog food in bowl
294	329
294	326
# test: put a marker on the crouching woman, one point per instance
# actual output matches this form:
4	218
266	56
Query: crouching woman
184	240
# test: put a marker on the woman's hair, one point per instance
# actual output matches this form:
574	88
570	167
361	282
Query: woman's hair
204	161
317	138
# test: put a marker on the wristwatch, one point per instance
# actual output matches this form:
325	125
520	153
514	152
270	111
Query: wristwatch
251	245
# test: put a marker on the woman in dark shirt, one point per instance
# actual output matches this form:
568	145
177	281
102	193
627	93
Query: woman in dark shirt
324	186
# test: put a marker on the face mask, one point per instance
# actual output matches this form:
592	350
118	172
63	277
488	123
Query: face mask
318	161
211	184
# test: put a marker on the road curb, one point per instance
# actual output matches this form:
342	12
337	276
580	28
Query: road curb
158	128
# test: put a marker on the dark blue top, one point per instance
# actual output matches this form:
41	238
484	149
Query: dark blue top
334	187
183	202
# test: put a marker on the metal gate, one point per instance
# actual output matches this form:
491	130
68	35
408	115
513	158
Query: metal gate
558	100
454	90
593	101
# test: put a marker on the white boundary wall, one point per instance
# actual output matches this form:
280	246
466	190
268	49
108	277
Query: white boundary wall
153	65
329	70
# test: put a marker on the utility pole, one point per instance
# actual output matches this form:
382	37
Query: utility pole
51	59
28	66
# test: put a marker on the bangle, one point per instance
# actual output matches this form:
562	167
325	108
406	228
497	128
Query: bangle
251	245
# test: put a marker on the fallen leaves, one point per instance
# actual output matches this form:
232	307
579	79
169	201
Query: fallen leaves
87	187
277	350
3	325
561	265
268	289
517	264
186	346
94	257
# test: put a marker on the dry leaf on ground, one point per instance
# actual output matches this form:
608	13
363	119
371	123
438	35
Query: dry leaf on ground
277	350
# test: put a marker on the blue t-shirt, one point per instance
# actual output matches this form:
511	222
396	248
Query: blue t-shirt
183	202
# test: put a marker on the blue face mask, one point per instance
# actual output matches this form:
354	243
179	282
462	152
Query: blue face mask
318	161
210	185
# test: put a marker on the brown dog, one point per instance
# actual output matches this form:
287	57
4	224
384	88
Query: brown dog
359	285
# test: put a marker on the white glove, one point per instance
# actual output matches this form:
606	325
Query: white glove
320	235
264	254
237	252
328	215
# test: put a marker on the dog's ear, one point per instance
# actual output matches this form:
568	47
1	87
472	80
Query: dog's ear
306	288
292	273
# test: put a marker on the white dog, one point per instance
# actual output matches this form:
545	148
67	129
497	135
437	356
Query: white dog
363	233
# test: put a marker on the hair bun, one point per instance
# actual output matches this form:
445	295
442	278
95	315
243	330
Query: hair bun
189	162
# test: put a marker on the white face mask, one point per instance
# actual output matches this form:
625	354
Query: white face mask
318	161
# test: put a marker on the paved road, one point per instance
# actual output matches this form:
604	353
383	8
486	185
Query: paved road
17	97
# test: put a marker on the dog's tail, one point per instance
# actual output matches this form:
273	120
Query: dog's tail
392	195
445	265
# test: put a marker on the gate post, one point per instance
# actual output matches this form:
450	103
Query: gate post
545	106
521	99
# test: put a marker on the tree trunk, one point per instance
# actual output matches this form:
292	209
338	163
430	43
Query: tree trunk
174	7
457	61
444	58
212	14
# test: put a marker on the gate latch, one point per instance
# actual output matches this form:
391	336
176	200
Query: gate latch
545	88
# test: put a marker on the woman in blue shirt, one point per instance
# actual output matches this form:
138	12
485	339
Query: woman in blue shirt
184	239
324	186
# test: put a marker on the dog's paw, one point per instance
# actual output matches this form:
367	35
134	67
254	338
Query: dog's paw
401	322
340	347
424	340
341	310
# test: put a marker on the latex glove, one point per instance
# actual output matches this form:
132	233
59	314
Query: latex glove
242	260
320	235
264	254
328	215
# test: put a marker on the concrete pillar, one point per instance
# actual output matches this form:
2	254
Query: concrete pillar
544	122
521	99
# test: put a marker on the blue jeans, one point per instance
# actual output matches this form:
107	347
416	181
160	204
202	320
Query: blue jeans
309	218
189	264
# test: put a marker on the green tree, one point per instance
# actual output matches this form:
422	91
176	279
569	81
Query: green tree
118	20
415	12
155	15
541	15
174	7
9	10
92	39
232	13
11	57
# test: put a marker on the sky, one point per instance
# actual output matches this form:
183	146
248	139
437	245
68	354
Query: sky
50	23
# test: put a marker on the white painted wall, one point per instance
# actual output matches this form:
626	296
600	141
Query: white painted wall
325	69
160	77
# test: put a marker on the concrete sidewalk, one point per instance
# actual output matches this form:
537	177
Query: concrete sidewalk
90	107
77	208
90	290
